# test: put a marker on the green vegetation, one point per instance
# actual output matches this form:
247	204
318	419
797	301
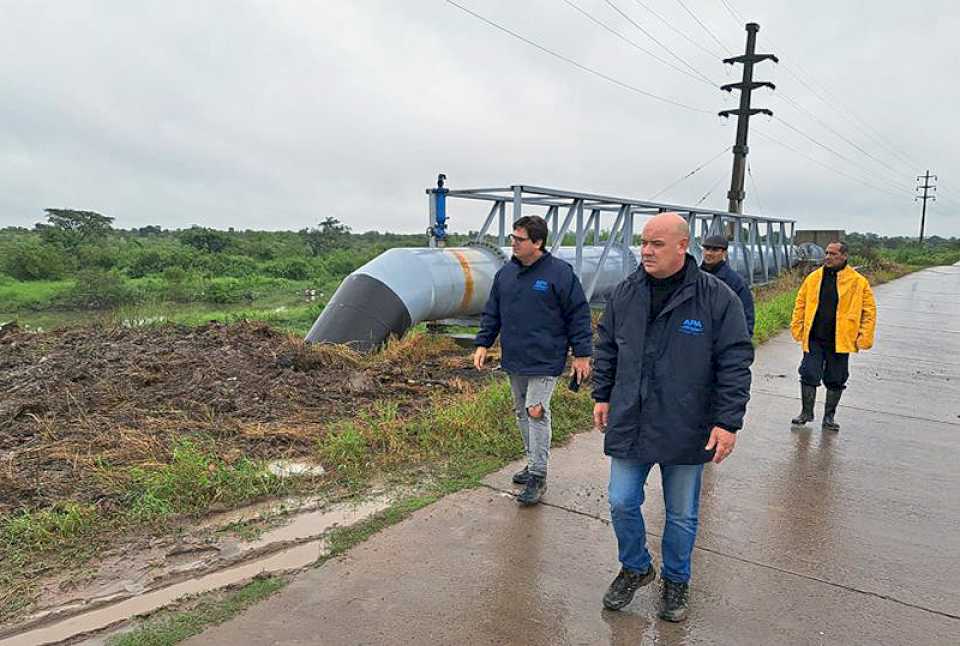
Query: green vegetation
76	265
169	627
172	627
194	480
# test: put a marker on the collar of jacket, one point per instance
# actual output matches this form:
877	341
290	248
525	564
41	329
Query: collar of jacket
837	271
714	269
690	272
525	268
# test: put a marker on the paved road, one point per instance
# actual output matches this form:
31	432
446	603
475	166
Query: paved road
806	537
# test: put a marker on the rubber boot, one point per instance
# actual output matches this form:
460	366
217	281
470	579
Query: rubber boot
830	409
808	395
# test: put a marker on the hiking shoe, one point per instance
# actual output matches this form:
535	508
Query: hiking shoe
621	591
521	477
531	495
674	601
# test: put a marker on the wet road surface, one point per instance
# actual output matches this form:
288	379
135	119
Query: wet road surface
806	537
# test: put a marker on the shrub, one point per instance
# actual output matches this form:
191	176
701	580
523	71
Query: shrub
209	240
98	290
30	259
156	258
226	290
290	268
226	265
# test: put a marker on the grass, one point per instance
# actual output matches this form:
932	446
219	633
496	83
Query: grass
173	627
170	627
16	295
194	480
455	442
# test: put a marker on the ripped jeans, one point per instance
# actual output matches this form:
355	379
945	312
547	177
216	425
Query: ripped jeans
528	391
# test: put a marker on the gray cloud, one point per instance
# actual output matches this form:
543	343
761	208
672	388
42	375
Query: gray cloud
278	114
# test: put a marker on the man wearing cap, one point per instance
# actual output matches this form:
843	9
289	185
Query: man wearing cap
715	262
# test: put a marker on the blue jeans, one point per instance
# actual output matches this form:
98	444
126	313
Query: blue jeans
681	497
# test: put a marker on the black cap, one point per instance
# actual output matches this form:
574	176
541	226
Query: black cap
715	241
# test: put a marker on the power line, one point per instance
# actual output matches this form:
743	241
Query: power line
698	77
755	189
827	148
691	173
705	28
654	39
580	66
852	117
763	135
736	17
666	22
711	190
800	108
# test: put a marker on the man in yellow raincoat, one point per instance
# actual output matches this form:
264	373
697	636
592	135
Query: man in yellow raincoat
835	314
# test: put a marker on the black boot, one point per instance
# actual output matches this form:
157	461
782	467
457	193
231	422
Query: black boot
830	409
521	477
621	591
808	395
674	601
535	487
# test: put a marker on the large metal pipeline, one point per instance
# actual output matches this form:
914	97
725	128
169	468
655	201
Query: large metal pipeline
404	286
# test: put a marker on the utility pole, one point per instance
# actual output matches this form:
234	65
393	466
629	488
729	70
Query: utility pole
746	86
926	186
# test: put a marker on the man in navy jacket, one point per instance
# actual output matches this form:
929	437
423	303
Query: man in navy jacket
715	262
538	308
671	384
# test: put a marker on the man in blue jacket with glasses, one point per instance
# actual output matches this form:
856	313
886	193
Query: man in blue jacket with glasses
671	384
538	308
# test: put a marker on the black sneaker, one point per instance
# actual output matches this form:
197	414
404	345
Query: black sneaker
621	591
673	601
521	477
531	495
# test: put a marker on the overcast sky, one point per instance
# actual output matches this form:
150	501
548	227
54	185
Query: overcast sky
275	115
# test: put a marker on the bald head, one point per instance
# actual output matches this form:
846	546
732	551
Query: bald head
664	244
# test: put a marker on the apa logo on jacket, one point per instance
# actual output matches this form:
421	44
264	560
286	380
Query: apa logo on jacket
691	326
541	286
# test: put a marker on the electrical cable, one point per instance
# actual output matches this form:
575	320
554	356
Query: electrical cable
691	173
711	190
666	22
654	39
699	77
829	149
705	28
580	66
824	124
763	135
755	189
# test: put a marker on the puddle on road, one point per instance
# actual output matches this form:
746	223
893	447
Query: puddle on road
303	532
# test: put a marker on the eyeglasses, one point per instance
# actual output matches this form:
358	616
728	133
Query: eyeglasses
516	238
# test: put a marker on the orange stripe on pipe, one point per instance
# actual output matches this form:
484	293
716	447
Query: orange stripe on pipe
467	278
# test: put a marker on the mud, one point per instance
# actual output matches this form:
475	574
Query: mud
79	398
138	581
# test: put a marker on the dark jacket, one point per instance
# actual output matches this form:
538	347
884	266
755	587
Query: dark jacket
539	311
670	382
735	281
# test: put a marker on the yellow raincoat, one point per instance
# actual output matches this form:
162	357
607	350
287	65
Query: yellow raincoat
856	311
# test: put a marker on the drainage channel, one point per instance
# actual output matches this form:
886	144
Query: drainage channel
298	544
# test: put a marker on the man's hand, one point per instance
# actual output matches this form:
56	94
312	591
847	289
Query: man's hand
601	414
479	356
720	439
581	368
